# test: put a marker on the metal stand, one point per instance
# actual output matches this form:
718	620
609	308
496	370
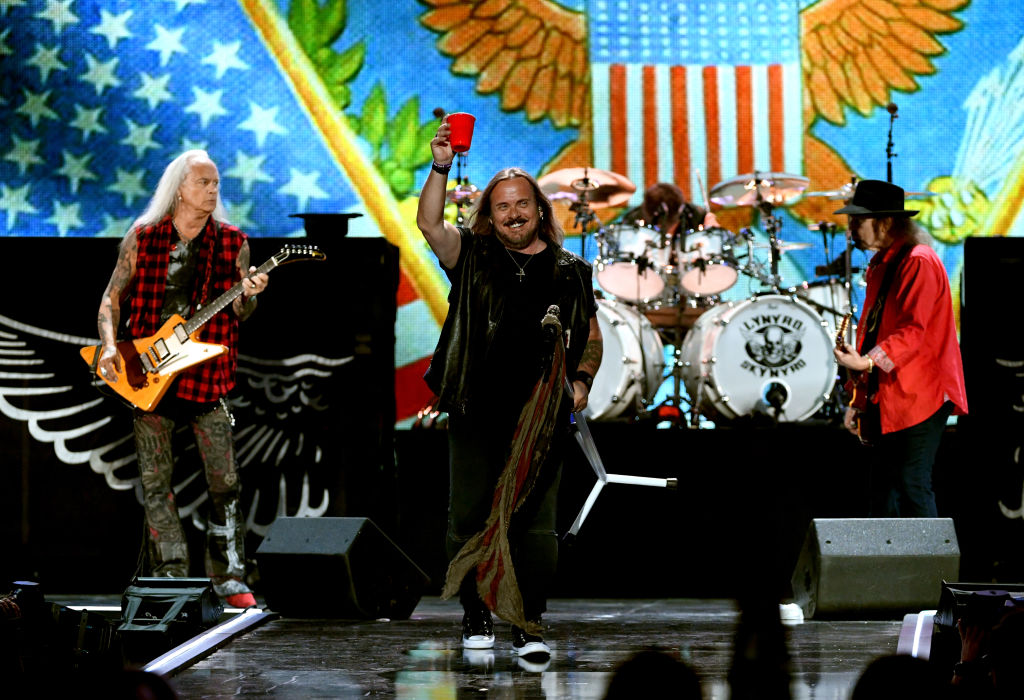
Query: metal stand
586	442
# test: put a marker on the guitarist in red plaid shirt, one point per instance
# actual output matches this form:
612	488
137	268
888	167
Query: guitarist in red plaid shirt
907	374
179	255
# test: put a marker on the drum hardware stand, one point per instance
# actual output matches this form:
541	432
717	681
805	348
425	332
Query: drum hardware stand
698	400
585	215
586	442
462	185
675	400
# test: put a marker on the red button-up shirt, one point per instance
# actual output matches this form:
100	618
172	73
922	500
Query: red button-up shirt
917	355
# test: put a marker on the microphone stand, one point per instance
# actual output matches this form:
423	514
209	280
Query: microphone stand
889	155
460	180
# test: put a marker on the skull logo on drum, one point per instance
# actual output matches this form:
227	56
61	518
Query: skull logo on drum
773	345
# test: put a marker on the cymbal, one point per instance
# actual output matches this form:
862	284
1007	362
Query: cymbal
783	247
844	192
603	188
460	194
756	188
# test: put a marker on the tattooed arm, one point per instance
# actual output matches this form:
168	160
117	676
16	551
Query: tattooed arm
110	305
252	284
589	363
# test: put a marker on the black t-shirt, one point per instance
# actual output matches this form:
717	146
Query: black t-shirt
512	363
181	276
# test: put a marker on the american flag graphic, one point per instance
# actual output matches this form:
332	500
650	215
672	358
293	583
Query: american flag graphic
97	96
684	87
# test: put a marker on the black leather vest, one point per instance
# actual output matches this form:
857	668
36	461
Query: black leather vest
475	312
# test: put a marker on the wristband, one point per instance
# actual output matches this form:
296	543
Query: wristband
871	364
440	168
586	378
970	669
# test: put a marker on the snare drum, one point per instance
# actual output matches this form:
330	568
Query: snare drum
708	262
632	263
632	364
739	357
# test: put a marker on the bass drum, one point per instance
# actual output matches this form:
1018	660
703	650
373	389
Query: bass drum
632	364
745	357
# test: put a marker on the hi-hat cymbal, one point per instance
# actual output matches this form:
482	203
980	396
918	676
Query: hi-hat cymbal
602	188
461	194
783	247
757	188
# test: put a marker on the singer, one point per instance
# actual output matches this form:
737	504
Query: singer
506	270
907	363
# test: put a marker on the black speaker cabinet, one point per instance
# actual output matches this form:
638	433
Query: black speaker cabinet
872	567
160	613
336	568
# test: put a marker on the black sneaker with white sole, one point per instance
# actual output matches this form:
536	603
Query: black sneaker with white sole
529	646
477	629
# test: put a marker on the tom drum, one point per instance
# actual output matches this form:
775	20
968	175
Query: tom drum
632	263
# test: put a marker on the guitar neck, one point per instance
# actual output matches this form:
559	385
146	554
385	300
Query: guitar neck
200	318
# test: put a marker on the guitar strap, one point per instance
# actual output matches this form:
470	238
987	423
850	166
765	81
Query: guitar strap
874	317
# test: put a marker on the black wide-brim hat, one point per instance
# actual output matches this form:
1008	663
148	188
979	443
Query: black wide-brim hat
876	198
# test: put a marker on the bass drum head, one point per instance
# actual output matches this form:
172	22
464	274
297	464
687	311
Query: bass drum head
631	364
738	357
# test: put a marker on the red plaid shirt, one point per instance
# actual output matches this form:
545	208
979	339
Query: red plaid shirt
216	272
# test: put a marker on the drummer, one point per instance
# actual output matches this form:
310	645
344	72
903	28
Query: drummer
666	209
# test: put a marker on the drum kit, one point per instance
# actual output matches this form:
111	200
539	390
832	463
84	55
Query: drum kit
770	353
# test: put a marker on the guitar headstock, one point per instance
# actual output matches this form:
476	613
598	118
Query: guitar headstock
297	252
841	332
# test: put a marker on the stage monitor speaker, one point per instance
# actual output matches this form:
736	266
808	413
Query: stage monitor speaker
336	568
873	567
159	613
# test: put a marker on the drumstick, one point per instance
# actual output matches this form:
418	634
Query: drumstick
703	190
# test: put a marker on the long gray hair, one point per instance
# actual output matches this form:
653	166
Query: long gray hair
165	199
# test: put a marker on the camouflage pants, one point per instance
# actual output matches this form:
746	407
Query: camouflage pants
225	528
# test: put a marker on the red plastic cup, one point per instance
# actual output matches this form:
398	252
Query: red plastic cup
461	125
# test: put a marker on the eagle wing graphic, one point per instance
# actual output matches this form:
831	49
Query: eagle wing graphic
45	386
855	52
534	52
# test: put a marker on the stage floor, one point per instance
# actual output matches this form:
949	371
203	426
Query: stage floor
422	657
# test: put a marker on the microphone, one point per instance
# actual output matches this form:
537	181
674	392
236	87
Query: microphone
439	112
550	325
775	397
891	108
551	330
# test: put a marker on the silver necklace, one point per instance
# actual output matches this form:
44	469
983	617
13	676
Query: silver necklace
522	268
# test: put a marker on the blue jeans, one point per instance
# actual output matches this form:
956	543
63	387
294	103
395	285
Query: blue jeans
902	476
477	448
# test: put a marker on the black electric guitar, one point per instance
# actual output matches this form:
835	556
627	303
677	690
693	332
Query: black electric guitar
856	387
150	365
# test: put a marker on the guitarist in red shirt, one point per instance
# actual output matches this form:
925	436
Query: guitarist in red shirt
178	256
907	376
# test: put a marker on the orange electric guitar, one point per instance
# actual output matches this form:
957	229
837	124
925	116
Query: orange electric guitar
856	388
150	365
